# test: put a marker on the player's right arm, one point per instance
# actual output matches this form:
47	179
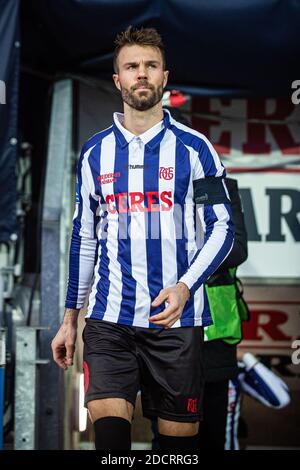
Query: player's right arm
81	261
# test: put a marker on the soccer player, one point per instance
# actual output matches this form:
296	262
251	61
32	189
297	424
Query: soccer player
140	183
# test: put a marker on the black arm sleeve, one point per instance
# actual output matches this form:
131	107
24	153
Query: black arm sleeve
239	252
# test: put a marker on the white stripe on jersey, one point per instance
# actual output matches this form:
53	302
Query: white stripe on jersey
189	212
138	237
168	233
92	296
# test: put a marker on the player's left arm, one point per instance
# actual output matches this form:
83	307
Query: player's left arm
213	207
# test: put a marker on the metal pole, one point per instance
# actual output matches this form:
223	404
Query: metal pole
55	243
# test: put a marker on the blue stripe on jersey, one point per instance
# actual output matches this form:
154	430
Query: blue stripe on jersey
206	315
206	160
182	178
210	219
103	283
103	271
126	315
74	258
153	230
94	206
94	159
122	142
93	141
198	144
94	163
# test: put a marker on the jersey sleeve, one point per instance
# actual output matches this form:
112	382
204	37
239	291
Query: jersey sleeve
84	239
261	383
213	206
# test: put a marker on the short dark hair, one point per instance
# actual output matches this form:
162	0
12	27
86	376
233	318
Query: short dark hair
140	37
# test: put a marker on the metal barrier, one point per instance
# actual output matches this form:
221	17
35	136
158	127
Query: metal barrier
25	434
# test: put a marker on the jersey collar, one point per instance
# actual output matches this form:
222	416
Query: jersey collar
151	138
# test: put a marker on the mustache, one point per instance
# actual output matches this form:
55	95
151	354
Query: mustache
142	83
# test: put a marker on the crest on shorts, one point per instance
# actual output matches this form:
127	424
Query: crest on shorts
192	405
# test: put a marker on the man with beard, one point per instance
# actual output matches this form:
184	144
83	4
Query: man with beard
138	182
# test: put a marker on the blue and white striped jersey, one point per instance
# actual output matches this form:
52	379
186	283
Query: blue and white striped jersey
134	227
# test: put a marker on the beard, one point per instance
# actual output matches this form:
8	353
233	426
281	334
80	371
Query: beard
144	99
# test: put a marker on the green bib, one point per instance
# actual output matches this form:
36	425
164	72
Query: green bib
227	307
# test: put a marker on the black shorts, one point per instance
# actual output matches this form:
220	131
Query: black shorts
165	364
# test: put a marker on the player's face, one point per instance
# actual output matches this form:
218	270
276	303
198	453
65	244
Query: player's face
141	77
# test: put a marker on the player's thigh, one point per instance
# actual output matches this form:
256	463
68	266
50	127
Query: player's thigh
173	428
110	407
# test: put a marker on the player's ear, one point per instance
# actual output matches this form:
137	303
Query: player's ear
116	80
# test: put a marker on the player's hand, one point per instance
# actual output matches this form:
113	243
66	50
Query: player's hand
63	344
176	297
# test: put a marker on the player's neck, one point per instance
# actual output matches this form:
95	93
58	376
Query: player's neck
139	122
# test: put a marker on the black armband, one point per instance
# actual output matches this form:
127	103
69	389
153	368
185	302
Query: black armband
210	190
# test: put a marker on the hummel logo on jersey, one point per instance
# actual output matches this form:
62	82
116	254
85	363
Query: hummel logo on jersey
136	167
108	178
166	173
